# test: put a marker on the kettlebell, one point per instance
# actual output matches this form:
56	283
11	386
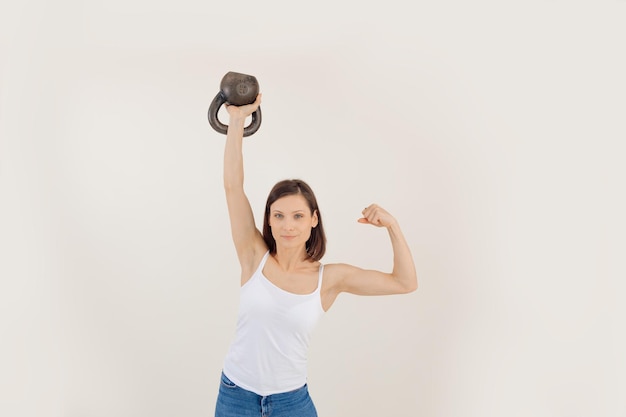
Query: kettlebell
236	89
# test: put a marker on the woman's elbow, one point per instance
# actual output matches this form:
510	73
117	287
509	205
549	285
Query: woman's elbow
409	286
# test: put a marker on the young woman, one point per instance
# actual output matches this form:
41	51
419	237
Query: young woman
285	289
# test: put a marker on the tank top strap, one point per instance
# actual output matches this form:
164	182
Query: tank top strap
319	282
263	261
259	269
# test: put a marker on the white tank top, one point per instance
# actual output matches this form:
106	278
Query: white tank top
269	353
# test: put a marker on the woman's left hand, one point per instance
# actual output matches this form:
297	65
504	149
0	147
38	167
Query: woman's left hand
377	216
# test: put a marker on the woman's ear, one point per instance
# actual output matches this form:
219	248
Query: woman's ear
315	219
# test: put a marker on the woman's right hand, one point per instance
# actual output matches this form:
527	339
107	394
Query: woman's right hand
241	112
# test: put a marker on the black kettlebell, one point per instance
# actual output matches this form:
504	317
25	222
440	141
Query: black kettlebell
236	89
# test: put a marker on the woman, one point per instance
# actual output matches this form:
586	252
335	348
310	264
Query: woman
285	289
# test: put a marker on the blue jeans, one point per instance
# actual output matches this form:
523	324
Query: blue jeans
234	401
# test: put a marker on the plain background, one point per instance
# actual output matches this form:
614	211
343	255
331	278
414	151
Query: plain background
493	132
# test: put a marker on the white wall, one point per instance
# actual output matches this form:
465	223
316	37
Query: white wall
493	132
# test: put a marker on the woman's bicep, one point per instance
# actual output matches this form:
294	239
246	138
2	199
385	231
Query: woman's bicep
358	281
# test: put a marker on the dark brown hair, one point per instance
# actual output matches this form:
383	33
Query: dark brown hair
316	245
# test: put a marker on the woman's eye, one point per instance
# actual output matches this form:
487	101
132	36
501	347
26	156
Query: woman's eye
298	216
278	216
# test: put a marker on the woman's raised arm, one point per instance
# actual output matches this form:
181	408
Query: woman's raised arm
248	241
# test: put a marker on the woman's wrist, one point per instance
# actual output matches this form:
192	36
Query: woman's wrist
393	225
394	230
237	121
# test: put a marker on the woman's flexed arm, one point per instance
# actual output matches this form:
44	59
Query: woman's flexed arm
403	265
246	237
402	279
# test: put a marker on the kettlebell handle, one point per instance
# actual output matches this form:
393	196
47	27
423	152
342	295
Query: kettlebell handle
236	89
220	127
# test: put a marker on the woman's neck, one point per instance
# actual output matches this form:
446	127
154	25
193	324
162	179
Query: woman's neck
291	259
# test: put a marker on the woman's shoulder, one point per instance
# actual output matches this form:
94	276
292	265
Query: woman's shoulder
339	266
337	271
336	275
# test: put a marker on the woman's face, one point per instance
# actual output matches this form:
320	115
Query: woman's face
291	221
